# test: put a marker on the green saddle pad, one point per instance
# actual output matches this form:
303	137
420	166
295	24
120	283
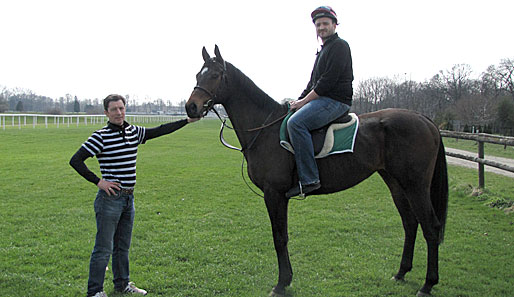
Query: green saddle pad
340	138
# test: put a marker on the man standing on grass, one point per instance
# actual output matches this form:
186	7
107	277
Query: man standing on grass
115	147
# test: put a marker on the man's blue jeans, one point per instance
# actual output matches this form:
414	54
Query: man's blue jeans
114	222
311	116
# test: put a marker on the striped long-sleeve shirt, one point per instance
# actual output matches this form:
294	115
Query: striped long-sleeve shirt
115	148
116	151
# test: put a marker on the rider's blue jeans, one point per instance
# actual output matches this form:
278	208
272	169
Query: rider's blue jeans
114	222
311	116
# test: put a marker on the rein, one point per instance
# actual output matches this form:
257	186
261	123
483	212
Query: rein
209	105
259	129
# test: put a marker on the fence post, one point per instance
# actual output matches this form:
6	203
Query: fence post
481	181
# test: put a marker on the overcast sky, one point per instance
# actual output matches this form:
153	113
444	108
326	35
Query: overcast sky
152	49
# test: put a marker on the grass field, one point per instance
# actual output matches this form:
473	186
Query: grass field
199	231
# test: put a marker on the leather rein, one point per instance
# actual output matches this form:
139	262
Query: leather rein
209	105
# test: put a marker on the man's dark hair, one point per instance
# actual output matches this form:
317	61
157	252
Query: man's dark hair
113	98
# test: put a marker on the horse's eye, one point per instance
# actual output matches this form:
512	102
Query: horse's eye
215	75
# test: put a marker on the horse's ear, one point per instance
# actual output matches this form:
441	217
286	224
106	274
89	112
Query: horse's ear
217	53
205	55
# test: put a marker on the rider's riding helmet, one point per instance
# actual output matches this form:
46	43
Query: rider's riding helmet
323	11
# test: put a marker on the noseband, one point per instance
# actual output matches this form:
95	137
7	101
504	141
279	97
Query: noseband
208	105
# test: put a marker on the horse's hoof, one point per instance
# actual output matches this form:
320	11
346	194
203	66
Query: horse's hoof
277	293
397	279
423	294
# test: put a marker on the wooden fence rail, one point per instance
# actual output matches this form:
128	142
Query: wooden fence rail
480	138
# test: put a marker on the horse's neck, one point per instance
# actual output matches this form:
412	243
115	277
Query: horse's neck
247	105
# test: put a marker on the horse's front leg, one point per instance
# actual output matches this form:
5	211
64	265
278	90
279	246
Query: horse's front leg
276	204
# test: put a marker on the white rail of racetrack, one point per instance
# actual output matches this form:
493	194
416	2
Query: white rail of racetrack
20	120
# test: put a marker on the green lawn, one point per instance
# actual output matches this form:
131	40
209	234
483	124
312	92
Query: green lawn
199	231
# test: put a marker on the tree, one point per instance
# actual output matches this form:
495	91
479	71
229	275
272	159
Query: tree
76	105
506	115
3	104
19	106
491	83
476	110
456	81
506	73
372	92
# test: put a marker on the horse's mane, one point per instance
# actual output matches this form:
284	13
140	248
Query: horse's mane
244	82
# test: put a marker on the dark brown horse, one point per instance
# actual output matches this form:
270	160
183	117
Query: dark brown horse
403	146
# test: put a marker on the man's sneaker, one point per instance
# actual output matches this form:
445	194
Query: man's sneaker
132	289
100	294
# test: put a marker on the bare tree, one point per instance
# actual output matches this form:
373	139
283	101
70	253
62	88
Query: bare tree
491	84
456	81
506	74
476	110
371	92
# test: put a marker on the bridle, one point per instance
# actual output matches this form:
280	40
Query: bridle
209	105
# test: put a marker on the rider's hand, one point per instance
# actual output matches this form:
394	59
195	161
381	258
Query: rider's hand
297	104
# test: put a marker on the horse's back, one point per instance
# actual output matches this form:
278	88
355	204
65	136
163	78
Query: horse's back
398	141
411	143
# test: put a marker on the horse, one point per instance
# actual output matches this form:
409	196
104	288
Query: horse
403	146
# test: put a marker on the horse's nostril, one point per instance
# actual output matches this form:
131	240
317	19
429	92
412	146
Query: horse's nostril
191	109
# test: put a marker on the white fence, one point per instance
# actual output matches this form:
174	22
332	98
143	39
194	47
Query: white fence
19	120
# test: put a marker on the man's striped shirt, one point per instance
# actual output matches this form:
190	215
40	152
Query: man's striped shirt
116	151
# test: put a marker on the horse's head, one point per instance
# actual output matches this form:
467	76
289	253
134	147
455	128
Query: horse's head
208	81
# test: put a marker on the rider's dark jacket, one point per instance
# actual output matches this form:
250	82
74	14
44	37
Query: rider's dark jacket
332	75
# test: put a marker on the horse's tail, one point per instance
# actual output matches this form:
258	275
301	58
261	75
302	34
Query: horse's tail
439	189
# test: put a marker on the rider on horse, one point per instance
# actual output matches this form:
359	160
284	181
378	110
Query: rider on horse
327	97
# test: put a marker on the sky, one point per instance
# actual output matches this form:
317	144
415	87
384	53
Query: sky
152	49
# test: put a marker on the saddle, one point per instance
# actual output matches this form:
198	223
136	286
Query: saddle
329	139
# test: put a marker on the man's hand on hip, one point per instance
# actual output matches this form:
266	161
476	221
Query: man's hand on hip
108	187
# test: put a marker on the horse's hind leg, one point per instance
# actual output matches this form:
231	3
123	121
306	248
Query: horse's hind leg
431	228
421	205
410	224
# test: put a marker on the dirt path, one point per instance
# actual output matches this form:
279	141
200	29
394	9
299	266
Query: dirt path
470	164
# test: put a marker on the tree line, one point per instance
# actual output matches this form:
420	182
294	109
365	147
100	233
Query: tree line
24	100
452	98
